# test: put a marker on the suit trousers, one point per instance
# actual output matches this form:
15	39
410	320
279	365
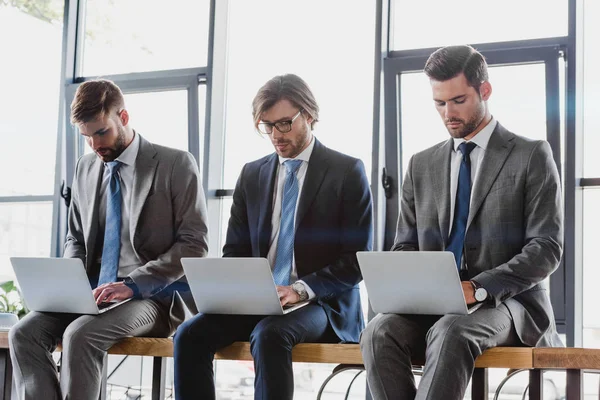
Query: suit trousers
271	341
450	345
85	341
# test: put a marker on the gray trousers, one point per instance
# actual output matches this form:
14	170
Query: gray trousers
450	345
85	340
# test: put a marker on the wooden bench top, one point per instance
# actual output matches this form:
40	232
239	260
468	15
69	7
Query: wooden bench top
500	357
566	358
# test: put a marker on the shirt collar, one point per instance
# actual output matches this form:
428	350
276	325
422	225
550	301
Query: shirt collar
129	155
304	156
483	136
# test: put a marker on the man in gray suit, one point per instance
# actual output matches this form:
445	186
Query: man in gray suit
505	231
136	209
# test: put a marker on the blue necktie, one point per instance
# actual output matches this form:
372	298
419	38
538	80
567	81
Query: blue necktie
285	242
112	229
456	240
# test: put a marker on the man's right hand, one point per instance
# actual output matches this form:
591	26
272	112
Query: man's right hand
110	292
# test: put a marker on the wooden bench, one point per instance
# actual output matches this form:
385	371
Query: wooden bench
574	360
346	354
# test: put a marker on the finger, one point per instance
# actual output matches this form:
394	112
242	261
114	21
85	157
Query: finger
112	297
104	293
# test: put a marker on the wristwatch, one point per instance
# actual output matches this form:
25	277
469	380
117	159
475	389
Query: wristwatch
481	294
131	285
299	288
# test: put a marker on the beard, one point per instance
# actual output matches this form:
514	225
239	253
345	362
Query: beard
293	147
112	153
467	127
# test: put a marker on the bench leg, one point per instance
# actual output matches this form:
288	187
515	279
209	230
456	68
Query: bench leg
104	382
338	370
159	377
5	375
535	384
574	384
479	384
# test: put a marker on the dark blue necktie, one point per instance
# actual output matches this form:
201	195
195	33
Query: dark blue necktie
456	240
285	241
112	228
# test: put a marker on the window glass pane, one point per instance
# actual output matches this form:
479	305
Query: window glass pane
591	272
25	230
422	126
436	23
591	89
136	35
338	68
29	81
160	117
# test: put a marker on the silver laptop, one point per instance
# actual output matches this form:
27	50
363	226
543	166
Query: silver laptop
413	282
57	285
234	286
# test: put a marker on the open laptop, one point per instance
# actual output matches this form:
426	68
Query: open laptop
413	282
57	285
242	286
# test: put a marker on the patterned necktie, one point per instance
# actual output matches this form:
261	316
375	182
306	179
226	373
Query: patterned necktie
112	228
456	240
285	242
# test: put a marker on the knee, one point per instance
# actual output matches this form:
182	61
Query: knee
76	337
19	335
194	332
267	338
24	333
378	332
449	330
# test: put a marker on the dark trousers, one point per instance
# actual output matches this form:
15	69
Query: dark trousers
271	341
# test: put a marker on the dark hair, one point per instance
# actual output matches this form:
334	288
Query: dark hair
448	62
95	99
290	87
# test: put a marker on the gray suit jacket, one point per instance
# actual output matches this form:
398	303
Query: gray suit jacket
515	227
167	221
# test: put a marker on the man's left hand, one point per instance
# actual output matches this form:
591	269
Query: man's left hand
469	292
287	295
115	291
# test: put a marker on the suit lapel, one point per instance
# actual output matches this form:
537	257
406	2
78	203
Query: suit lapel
266	187
317	169
498	149
440	174
143	176
93	181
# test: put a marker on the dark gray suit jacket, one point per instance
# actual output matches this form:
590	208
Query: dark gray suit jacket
514	232
168	220
334	220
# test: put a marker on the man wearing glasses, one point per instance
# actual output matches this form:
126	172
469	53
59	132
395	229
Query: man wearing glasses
308	210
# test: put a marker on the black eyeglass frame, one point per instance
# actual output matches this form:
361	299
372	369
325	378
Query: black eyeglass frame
282	126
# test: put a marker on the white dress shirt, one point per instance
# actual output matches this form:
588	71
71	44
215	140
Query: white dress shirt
276	217
128	261
481	140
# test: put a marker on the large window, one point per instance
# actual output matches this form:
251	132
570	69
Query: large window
436	23
591	170
30	83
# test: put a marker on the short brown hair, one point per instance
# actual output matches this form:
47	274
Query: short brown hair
448	62
95	99
290	87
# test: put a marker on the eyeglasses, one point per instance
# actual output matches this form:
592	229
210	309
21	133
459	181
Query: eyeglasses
266	128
